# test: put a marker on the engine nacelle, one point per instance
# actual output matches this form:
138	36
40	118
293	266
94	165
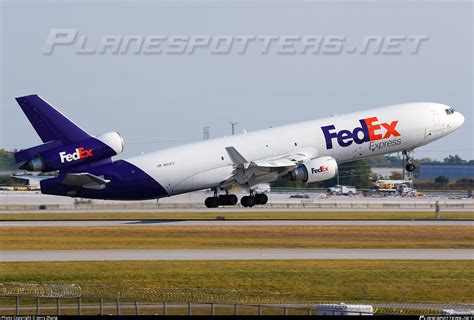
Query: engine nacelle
315	170
114	140
89	150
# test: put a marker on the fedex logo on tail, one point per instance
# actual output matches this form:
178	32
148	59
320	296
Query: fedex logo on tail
370	130
80	153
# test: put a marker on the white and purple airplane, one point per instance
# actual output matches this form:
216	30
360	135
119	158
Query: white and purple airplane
308	151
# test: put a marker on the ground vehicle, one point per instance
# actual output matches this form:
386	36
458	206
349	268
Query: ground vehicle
395	187
344	190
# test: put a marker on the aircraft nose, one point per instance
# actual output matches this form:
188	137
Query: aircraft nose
459	120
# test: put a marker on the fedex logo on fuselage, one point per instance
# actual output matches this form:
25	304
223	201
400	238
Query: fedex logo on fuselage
80	153
370	130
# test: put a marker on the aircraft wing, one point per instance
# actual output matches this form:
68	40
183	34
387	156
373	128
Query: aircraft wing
285	161
264	170
85	180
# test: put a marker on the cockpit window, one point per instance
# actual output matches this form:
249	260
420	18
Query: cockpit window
449	111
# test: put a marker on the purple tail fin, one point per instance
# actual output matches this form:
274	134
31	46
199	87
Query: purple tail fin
48	122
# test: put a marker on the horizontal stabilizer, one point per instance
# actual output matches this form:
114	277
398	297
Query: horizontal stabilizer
49	123
27	154
84	180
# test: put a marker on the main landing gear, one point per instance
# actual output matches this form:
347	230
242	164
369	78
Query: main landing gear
410	166
231	200
221	200
253	199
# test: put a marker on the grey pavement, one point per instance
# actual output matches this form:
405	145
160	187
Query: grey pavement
197	208
29	202
237	254
234	223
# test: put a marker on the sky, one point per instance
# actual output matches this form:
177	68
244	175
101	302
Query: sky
157	101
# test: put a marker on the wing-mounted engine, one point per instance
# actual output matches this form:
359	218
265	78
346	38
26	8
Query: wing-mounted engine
71	155
264	170
319	169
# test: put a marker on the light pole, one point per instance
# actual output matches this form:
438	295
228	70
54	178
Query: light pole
205	133
233	127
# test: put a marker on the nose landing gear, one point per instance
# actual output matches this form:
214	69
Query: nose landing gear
410	167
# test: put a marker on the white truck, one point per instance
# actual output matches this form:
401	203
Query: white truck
342	190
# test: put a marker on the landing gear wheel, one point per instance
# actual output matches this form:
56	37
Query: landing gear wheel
233	199
248	201
212	202
243	201
261	198
410	166
251	201
223	200
228	200
207	202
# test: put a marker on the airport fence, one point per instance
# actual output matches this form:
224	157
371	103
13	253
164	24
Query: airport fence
70	299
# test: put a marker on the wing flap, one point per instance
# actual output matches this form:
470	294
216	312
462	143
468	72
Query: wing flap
264	170
275	163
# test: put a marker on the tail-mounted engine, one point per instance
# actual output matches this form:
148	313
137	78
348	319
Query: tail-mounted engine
65	144
74	154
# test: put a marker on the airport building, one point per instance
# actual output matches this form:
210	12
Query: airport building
450	170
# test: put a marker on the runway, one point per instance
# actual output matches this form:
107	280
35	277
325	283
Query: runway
279	201
237	254
197	208
233	223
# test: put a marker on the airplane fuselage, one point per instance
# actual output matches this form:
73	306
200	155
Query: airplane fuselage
214	163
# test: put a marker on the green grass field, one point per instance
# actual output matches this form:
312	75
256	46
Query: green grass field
302	280
156	237
242	215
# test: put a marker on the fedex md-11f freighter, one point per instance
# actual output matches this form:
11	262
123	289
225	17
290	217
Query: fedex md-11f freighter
308	151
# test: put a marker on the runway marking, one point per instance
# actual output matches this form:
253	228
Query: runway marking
237	254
